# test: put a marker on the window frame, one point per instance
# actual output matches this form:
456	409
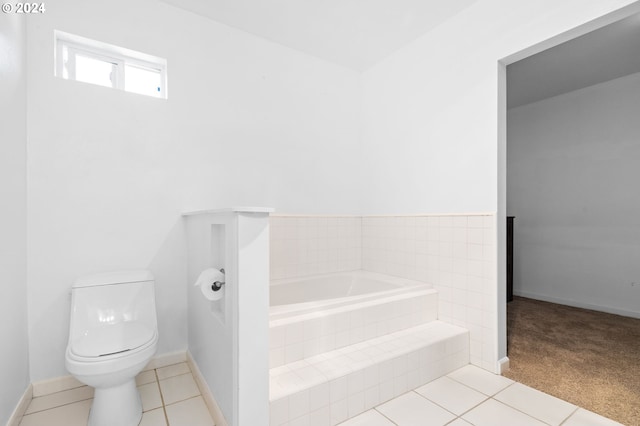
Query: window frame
119	57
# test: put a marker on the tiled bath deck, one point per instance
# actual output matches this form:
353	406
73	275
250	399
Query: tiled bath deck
337	385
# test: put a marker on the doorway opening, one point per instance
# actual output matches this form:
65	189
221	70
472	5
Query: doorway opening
566	163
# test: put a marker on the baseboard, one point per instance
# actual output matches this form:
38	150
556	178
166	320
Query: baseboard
212	405
165	359
59	384
503	365
577	304
25	400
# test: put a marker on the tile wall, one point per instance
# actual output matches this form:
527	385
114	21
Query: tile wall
330	388
311	245
454	253
293	340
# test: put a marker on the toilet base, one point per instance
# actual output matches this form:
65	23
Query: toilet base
119	405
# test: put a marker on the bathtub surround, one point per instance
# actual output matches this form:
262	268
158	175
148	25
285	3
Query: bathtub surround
454	253
296	334
337	385
332	362
310	245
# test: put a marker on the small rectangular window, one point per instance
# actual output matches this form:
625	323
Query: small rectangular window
90	61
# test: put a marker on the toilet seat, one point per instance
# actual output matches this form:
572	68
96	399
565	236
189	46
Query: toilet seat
112	339
108	364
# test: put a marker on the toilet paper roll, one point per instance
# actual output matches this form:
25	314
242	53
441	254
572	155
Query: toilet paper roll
205	281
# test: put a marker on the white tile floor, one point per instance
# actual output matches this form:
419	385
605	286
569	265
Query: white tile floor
468	396
169	396
472	396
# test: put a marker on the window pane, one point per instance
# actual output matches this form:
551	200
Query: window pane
96	71
145	81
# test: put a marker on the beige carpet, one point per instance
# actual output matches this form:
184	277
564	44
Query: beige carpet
589	358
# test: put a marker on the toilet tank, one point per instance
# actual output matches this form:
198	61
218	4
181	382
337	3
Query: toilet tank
111	301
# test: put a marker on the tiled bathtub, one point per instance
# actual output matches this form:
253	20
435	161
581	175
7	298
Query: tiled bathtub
319	314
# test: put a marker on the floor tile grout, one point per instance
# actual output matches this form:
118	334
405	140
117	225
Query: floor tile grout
60	391
382	414
177	375
460	417
164	408
57	406
570	415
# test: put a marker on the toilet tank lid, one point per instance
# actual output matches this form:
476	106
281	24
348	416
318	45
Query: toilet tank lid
108	278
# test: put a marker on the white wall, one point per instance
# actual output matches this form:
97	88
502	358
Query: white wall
572	172
14	368
431	112
430	109
247	122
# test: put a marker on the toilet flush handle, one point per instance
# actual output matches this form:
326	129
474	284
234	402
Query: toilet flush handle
217	285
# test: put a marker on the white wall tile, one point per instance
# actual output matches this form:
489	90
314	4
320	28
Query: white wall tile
339	411
299	404
309	245
279	411
454	253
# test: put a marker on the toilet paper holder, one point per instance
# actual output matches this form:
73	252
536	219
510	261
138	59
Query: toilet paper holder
217	285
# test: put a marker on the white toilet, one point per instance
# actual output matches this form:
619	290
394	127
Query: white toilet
113	334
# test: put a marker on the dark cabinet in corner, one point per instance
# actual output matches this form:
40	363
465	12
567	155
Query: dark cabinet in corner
510	258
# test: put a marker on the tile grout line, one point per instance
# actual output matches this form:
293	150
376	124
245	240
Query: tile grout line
518	410
533	417
164	408
57	406
487	395
570	415
458	416
175	375
382	414
60	391
184	399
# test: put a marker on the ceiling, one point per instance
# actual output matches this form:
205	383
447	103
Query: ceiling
610	52
353	33
359	33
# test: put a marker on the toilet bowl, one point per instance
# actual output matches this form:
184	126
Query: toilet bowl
112	336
